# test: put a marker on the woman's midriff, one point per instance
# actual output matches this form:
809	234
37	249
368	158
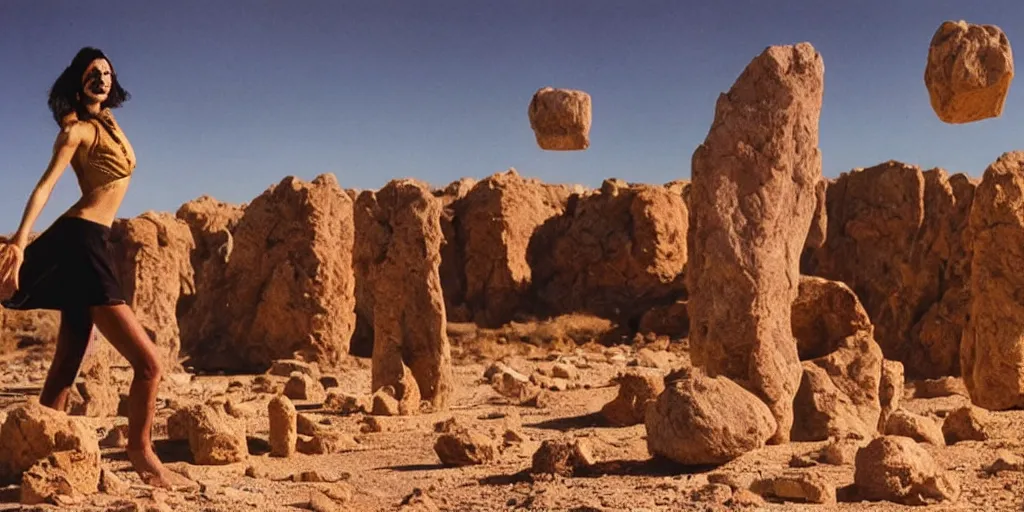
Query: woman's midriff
101	204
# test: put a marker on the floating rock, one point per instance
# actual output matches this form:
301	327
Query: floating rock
560	119
890	391
214	437
465	447
969	71
967	424
994	338
917	427
283	430
71	473
637	389
32	433
798	487
700	420
563	458
894	468
303	387
752	200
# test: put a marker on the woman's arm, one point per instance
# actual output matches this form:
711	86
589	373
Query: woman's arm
63	149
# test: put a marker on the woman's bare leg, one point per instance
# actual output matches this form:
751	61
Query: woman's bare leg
72	343
119	325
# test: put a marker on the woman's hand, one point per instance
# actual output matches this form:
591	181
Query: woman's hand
11	257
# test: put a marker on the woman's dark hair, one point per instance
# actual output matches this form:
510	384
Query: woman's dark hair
64	95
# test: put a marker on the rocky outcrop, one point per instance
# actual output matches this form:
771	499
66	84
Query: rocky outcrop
153	257
399	253
992	355
969	71
897	237
453	260
560	119
495	222
701	420
287	288
752	200
615	253
839	391
214	436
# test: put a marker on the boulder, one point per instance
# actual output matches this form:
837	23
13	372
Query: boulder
565	458
992	355
33	432
465	447
560	119
798	487
214	437
894	468
399	252
967	424
890	391
839	390
287	289
752	200
71	473
702	420
969	71
919	428
303	387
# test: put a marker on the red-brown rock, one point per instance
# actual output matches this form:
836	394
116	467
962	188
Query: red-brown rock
992	355
288	287
560	119
399	253
752	200
969	71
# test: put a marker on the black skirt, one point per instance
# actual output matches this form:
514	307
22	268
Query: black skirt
69	266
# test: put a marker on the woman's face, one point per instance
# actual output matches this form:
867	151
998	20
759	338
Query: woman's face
97	81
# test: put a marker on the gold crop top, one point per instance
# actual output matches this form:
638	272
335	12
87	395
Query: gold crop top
109	158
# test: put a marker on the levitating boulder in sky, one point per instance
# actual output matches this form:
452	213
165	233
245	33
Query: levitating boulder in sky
969	71
560	119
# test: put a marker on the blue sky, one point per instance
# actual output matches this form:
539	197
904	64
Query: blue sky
231	96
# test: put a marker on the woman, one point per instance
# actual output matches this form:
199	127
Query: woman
68	268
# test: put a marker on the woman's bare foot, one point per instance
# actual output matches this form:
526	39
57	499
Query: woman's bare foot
153	472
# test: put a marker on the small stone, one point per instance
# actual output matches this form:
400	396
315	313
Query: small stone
562	458
897	469
712	493
265	385
303	387
465	448
942	387
72	473
325	442
798	487
345	404
286	367
329	381
111	484
1006	461
370	425
917	427
283	429
320	502
801	461
385	403
564	371
967	423
256	472
841	452
117	437
237	410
